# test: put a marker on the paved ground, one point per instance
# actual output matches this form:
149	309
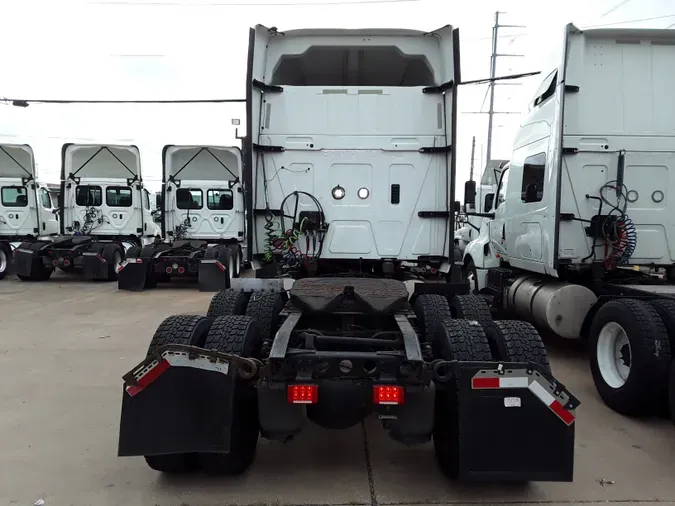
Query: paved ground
64	345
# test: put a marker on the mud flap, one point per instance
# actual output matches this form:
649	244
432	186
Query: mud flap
213	276
514	424
132	274
177	408
26	262
94	266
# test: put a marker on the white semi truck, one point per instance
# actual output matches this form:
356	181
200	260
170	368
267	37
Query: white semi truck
202	217
27	211
587	197
349	170
105	210
485	194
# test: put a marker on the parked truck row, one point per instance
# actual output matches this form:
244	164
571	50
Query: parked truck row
104	219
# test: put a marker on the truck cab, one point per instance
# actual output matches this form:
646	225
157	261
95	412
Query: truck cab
350	147
26	208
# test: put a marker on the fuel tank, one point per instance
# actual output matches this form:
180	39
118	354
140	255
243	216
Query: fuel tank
552	304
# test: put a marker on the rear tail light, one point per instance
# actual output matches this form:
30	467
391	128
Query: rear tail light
303	394
181	270
55	263
169	270
388	394
66	262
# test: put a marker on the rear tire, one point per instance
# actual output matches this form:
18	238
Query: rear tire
459	340
5	259
516	341
239	335
630	357
186	330
114	255
228	302
470	307
265	307
431	309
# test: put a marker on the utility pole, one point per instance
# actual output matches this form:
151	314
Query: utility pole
473	152
493	74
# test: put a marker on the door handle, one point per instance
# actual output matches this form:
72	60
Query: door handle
222	220
504	231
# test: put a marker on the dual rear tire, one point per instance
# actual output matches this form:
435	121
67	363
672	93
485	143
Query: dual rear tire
236	334
464	330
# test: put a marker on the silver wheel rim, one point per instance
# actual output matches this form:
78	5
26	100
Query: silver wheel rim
3	261
237	264
614	355
472	281
117	260
230	267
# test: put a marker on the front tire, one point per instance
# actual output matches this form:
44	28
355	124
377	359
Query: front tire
630	357
5	259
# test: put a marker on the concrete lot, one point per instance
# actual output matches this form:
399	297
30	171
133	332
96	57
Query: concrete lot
65	344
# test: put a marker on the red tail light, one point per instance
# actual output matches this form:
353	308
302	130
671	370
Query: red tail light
303	394
169	270
181	270
388	394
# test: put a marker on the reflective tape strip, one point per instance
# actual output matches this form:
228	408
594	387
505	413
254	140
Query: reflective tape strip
537	389
499	382
174	359
150	375
493	380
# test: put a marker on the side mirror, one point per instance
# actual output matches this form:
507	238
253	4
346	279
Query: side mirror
470	193
458	207
158	200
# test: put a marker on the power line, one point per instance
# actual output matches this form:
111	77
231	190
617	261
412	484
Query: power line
248	4
666	16
617	6
24	102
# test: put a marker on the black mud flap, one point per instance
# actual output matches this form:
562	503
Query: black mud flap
515	424
94	266
25	261
132	274
213	276
179	405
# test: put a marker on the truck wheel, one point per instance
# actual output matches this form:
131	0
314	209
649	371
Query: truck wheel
265	307
516	341
235	254
471	275
666	310
239	335
630	357
223	254
470	307
228	302
430	310
114	255
5	259
460	340
187	330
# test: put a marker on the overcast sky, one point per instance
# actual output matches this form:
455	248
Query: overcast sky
171	49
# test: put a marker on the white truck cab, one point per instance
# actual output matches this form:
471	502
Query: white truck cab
585	203
202	219
26	208
105	211
350	147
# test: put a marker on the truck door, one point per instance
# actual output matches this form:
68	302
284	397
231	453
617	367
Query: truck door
17	208
498	224
47	213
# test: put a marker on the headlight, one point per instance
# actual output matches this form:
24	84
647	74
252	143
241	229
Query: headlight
363	193
338	192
